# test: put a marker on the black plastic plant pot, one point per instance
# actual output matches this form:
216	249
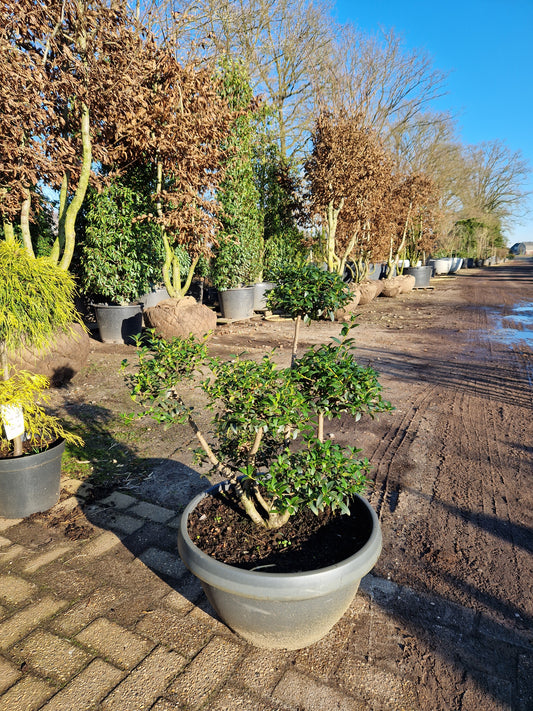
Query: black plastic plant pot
119	324
421	274
30	483
280	610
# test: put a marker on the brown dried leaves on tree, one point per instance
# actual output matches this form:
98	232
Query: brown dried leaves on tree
83	84
349	172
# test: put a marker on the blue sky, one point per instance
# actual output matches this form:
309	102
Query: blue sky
486	48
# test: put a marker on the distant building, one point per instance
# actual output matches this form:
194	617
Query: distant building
522	249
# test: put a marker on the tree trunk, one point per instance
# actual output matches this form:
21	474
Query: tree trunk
81	190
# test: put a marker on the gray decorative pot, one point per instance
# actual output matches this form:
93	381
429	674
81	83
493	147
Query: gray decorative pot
237	304
441	265
30	483
260	294
154	297
457	263
280	610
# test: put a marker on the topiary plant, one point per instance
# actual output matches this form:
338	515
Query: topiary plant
268	439
307	293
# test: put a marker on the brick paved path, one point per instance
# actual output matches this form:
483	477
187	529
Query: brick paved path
114	621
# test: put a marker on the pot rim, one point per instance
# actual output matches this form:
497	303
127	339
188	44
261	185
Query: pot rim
258	583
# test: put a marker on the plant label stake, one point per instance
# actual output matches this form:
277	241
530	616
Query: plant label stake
13	420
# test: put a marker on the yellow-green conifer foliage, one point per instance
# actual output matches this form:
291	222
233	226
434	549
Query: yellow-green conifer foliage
36	298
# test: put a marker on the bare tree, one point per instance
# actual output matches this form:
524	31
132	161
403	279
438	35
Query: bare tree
494	191
283	43
377	77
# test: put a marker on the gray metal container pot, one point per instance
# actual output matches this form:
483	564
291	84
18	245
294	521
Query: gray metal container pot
260	294
30	483
279	610
237	304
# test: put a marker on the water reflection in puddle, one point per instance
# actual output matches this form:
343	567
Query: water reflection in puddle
516	326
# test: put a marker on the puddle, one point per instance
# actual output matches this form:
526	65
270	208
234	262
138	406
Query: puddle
516	326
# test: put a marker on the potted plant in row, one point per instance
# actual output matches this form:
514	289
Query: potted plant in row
274	585
36	301
120	258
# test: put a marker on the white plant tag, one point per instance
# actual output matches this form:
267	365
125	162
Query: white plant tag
13	420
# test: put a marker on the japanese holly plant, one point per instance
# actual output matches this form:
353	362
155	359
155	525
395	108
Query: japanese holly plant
266	434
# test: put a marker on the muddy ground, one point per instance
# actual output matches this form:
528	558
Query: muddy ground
452	464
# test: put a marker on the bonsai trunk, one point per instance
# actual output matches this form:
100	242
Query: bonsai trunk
258	509
332	217
171	267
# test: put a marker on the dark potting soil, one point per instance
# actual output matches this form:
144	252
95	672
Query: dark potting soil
306	542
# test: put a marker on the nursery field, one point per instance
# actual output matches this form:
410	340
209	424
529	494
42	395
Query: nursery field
452	464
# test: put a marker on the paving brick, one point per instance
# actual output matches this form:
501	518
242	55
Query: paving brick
164	562
116	520
174	522
80	489
119	500
8	555
46	558
182	634
19	624
237	700
177	602
6	523
153	512
14	590
146	683
65	506
262	669
77	617
87	689
8	675
98	546
28	694
123	648
370	681
298	690
51	656
66	582
204	614
194	686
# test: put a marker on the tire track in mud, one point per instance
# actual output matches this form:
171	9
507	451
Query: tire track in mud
470	544
388	479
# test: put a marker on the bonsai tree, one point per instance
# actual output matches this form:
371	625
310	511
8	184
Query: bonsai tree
180	126
307	293
268	437
408	217
36	300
